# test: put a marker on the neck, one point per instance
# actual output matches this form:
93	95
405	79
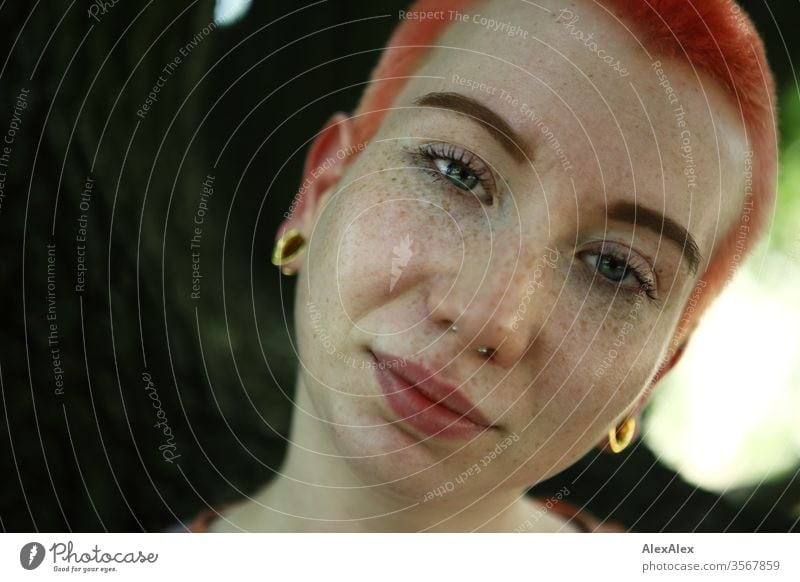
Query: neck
316	490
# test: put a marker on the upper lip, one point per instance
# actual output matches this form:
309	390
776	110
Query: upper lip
430	386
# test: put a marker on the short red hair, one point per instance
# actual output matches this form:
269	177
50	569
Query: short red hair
713	36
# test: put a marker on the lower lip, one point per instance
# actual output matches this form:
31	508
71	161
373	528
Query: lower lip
423	413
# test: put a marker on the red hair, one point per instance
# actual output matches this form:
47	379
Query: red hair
714	36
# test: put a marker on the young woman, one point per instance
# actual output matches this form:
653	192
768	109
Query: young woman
502	251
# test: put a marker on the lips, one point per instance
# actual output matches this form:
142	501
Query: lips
425	402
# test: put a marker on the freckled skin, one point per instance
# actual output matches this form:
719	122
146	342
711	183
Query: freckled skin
473	264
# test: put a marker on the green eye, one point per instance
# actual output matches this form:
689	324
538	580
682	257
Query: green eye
460	167
622	267
612	268
458	175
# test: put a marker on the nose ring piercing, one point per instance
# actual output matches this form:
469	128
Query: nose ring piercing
483	350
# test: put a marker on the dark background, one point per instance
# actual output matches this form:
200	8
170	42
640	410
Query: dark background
241	107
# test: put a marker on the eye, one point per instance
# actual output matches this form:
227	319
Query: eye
460	167
460	176
622	266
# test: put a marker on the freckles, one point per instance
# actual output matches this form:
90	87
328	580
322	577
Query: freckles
389	214
610	328
584	325
583	329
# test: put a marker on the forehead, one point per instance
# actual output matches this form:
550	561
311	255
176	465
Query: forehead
594	106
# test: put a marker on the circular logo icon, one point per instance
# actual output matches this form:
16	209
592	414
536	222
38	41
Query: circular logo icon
31	555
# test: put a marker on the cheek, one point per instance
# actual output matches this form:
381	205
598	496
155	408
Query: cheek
382	235
598	363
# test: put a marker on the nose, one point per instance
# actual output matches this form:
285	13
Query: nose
496	309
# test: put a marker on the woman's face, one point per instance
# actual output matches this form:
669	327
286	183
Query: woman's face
546	244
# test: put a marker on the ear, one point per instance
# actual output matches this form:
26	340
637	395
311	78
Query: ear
324	167
663	370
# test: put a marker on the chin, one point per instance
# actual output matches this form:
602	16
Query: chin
391	459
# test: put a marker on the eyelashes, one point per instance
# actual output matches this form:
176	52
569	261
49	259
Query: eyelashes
461	168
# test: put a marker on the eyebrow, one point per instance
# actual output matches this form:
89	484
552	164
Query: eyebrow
498	127
657	222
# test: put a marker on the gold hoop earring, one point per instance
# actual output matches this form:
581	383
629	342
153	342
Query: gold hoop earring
619	437
290	246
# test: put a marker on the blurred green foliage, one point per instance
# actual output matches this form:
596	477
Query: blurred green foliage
786	227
